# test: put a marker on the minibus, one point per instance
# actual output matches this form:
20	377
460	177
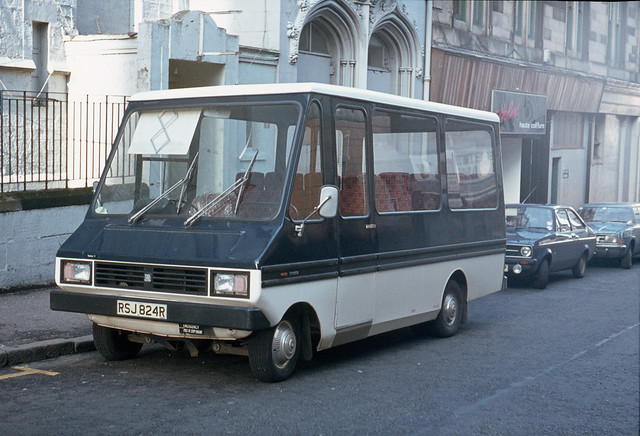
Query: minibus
275	221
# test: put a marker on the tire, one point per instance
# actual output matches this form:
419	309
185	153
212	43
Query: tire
113	344
542	276
579	268
274	353
451	312
627	259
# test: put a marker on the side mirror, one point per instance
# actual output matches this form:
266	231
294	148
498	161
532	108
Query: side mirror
327	207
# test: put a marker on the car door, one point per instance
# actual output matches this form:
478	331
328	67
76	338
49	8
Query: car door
565	248
586	238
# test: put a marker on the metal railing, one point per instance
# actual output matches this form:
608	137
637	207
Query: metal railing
55	140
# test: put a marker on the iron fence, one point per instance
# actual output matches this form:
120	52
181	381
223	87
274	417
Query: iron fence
55	140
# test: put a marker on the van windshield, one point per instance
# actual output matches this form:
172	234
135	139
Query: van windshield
219	161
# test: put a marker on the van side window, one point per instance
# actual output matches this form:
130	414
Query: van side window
471	175
405	161
308	178
351	158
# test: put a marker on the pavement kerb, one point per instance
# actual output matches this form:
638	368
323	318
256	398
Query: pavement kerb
45	350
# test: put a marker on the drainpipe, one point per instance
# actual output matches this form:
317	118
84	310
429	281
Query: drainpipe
428	29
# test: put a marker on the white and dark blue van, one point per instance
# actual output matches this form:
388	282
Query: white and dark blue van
279	220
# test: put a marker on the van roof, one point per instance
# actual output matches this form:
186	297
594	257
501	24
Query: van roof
318	88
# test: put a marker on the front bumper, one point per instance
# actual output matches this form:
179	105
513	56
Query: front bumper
527	267
230	317
610	251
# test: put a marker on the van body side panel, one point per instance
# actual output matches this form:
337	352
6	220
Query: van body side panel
319	294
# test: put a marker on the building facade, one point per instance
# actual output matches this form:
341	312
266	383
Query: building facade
564	76
576	61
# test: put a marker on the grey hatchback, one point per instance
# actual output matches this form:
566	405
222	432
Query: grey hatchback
617	227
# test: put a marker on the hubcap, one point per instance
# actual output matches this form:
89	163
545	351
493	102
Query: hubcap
449	309
284	344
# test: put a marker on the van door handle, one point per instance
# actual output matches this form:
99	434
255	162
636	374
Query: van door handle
370	226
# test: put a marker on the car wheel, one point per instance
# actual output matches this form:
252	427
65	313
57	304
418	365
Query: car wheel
451	312
273	353
113	344
627	259
579	268
542	276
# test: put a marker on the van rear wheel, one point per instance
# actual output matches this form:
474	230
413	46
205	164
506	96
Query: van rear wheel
113	344
274	353
451	312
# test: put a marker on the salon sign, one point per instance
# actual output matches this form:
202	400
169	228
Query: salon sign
520	114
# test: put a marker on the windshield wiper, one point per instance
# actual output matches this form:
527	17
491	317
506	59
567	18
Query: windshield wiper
135	217
245	180
238	183
186	182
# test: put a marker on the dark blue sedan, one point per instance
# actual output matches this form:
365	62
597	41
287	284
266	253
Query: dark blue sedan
542	239
617	227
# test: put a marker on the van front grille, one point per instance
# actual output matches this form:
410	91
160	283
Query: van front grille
156	278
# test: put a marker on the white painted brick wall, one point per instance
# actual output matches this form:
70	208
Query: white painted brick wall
29	241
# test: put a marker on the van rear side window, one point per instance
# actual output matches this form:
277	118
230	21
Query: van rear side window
471	175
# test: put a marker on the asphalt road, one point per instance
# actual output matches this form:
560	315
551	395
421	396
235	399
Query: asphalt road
564	360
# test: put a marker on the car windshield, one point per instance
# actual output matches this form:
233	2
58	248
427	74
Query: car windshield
218	161
607	214
529	218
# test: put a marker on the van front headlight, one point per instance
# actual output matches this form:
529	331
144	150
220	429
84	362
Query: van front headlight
76	272
230	285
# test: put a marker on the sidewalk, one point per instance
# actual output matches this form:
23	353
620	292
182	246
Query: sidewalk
31	331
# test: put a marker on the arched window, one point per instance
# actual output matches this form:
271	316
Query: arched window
327	47
392	58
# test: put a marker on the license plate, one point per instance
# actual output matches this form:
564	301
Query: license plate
144	310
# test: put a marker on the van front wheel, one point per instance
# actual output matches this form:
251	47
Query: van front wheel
113	344
273	353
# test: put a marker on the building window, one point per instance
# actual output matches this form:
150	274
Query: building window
478	13
531	33
313	40
519	17
40	56
568	130
377	56
460	10
576	19
598	138
615	41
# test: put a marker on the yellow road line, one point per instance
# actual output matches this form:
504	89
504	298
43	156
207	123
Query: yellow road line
25	370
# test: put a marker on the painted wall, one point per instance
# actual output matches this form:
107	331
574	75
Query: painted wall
511	171
29	241
17	66
102	64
